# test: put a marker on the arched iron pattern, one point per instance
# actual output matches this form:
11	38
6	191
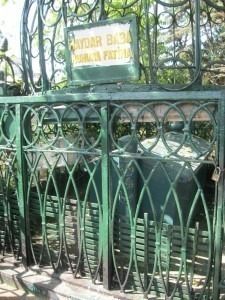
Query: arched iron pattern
9	206
180	42
151	175
65	206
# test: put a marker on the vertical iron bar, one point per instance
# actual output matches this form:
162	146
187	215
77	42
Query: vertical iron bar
168	255
220	199
45	83
106	205
5	78
197	40
23	46
102	15
194	251
148	40
146	240
21	186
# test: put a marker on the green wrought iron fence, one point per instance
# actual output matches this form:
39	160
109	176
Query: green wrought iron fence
119	191
113	183
161	218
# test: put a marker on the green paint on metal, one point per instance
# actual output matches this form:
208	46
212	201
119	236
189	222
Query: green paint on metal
22	180
219	215
79	205
106	200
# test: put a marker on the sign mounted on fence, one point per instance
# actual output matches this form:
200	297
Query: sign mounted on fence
102	52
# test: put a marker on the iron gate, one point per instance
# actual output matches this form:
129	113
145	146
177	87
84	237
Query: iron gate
114	191
113	182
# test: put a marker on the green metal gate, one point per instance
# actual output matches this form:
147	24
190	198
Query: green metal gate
120	184
88	198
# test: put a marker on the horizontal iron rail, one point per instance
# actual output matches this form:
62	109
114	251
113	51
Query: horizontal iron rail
115	96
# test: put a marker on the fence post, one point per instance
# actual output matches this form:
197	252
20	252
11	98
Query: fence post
21	175
106	206
218	235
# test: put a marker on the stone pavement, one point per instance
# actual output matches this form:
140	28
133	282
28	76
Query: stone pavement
17	283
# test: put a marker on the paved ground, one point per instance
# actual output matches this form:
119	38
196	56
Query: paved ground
17	283
9	292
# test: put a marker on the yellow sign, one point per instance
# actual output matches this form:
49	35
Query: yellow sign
102	45
102	52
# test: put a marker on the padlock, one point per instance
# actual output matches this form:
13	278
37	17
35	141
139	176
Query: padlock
216	174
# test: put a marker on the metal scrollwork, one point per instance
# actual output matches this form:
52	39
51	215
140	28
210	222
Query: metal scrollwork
179	41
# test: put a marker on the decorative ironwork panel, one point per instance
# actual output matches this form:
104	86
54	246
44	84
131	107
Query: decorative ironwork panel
9	206
162	211
125	181
63	156
180	42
